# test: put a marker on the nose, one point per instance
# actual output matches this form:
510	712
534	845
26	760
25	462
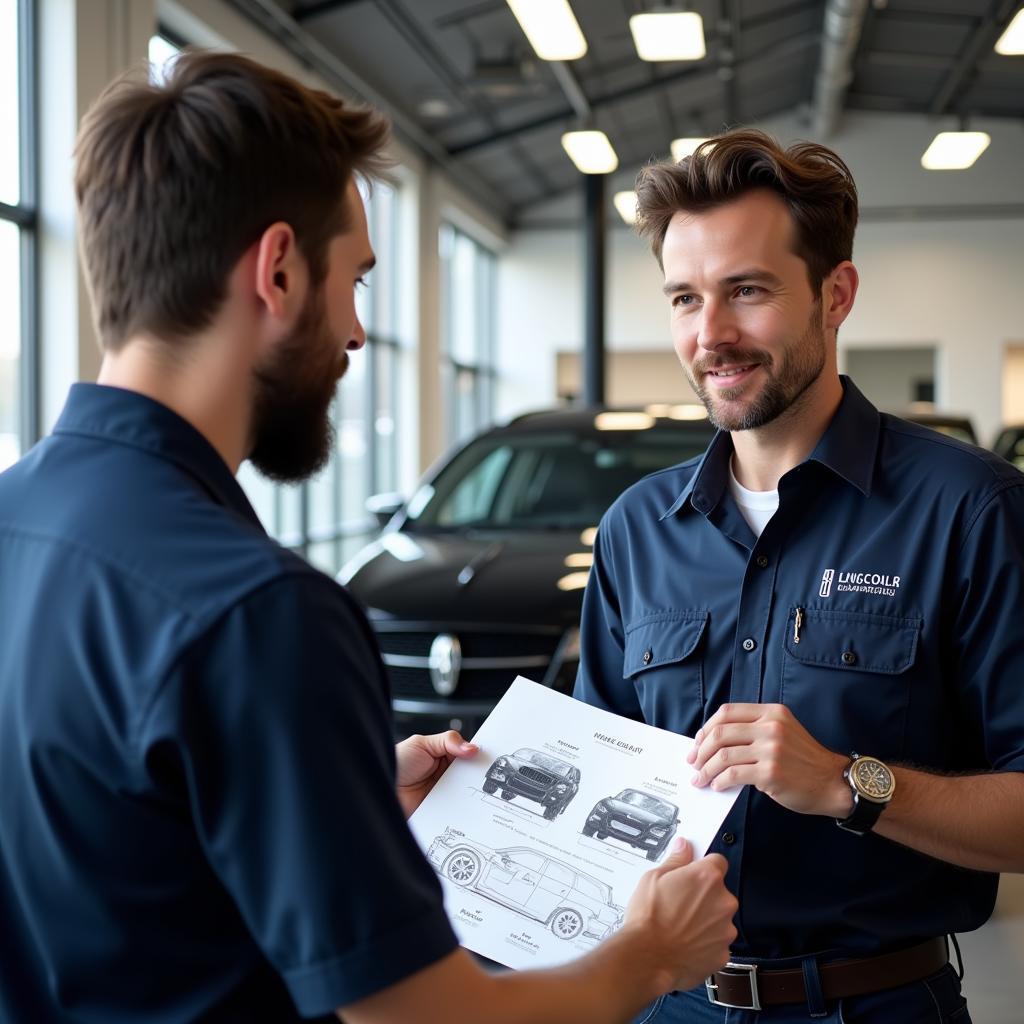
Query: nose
717	326
358	339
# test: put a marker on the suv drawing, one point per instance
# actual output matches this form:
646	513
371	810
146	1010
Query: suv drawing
536	776
643	821
534	885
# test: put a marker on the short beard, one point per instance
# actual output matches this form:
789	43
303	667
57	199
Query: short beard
291	427
783	391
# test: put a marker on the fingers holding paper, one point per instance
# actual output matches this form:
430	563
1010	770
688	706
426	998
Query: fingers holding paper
763	745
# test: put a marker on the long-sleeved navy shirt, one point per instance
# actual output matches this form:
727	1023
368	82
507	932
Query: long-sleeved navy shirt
903	551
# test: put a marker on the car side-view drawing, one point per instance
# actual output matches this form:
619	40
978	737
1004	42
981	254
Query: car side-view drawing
534	885
535	776
643	821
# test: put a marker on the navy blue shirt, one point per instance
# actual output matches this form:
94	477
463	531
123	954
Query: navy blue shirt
197	807
904	550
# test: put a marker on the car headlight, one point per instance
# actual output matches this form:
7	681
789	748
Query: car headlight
561	787
659	830
500	763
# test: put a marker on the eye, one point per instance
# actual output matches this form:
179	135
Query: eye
683	300
748	291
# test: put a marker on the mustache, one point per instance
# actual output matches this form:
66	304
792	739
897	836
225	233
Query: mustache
736	357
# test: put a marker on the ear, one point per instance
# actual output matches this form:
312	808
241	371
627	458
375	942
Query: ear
282	276
839	290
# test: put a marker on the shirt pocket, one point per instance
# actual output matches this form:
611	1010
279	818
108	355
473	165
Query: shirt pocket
663	657
848	678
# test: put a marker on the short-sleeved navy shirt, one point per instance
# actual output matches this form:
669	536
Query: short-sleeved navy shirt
903	552
197	807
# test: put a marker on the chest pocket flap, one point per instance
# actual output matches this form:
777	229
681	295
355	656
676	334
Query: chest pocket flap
854	641
661	638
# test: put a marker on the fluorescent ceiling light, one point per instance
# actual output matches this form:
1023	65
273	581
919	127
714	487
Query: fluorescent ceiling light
573	581
688	412
668	35
625	203
1011	42
684	147
551	28
579	560
954	151
590	151
588	536
623	421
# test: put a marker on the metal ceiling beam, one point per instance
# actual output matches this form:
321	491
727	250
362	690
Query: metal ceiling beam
322	7
394	11
985	36
693	77
844	21
567	79
290	34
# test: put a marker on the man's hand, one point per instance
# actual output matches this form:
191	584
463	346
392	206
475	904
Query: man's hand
422	760
685	913
763	745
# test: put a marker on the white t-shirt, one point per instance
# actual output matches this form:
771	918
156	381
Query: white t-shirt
757	507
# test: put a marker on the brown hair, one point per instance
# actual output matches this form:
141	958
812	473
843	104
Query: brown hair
176	180
815	184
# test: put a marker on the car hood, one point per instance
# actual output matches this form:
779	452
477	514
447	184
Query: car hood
638	813
518	762
502	578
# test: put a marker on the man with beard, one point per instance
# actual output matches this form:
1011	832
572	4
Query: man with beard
202	815
828	600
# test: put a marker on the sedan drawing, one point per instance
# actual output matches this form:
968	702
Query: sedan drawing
643	821
536	776
569	902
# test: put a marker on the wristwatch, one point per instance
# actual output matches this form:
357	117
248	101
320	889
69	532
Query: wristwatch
873	785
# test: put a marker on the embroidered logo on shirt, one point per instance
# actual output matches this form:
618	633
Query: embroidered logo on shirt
859	583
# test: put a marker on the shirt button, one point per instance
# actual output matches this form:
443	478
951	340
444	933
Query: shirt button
750	643
762	561
648	654
728	838
849	658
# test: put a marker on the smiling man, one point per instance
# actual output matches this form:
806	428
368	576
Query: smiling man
828	600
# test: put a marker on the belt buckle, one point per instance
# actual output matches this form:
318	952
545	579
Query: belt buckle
751	973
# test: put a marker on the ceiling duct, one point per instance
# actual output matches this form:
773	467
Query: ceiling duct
508	79
844	22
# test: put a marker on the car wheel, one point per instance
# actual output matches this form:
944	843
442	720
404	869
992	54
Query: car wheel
462	867
588	832
490	787
550	813
507	795
655	854
602	835
566	923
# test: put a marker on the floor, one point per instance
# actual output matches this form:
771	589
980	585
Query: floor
994	959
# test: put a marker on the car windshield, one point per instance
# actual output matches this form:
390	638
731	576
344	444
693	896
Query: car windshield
551	764
547	480
647	803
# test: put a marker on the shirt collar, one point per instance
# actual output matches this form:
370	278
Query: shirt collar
130	418
847	447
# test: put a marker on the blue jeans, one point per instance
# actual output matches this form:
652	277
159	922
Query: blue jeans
933	1000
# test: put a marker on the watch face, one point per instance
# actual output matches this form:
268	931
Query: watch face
872	779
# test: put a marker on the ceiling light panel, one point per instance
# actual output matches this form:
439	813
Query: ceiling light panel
551	28
590	151
625	203
1011	42
668	35
954	151
684	147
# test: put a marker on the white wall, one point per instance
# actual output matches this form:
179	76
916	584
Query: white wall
950	278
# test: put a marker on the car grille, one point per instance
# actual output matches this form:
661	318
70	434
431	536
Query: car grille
524	653
536	775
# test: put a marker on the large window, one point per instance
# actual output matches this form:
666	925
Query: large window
19	425
467	331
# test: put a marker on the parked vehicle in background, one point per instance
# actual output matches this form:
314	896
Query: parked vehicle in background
536	776
959	427
1010	445
480	576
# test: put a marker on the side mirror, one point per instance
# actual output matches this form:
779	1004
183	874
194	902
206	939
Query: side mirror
383	506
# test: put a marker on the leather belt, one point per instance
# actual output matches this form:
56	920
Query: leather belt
750	986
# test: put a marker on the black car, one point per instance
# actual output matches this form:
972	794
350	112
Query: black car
535	775
949	424
479	577
1010	445
639	819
